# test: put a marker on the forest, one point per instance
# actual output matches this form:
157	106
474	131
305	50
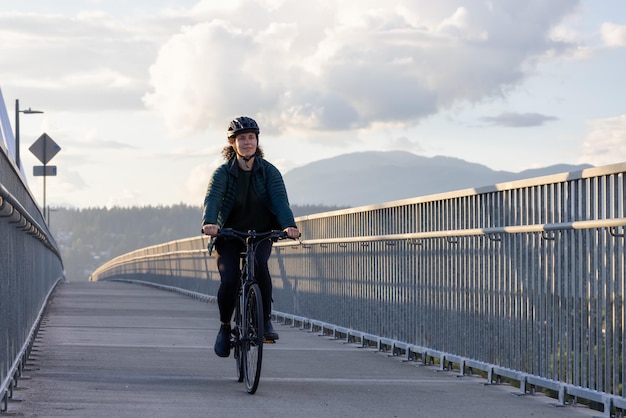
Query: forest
89	237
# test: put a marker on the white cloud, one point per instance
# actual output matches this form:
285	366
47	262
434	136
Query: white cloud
90	60
460	25
613	35
606	143
358	66
209	7
126	198
198	74
69	182
197	181
406	144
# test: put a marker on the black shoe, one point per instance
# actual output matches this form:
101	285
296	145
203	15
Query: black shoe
270	334
222	342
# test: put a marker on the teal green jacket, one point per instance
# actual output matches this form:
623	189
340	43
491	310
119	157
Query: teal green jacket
268	185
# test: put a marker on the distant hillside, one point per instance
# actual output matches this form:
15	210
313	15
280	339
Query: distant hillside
370	177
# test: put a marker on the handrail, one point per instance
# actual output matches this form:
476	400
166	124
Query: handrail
30	268
511	229
39	232
516	229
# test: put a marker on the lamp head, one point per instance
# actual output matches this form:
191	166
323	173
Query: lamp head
29	111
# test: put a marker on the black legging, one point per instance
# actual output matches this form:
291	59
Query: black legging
228	251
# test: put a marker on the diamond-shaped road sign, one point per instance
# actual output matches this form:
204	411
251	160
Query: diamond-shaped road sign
45	148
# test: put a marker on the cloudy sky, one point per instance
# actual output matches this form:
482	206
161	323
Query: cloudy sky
139	94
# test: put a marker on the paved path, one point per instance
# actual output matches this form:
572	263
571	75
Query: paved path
123	350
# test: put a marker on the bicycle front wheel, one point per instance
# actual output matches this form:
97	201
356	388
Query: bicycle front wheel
252	341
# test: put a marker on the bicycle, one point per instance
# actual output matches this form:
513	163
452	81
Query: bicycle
247	336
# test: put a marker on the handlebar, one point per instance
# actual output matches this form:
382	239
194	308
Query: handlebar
275	234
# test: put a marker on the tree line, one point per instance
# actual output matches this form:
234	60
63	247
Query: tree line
89	237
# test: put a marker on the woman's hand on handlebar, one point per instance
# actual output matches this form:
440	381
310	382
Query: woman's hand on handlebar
214	230
210	229
292	232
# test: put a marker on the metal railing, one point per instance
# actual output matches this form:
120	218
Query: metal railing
30	268
523	280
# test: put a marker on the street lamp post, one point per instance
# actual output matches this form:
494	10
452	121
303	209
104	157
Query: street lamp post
17	129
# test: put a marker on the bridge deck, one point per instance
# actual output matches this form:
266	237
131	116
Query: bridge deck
115	349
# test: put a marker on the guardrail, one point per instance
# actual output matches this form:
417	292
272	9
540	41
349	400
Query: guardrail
30	268
523	280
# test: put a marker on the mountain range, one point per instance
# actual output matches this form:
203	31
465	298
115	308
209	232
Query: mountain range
370	177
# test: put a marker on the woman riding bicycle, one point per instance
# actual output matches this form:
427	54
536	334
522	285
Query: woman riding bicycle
245	193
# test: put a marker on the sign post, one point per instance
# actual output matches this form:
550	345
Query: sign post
44	148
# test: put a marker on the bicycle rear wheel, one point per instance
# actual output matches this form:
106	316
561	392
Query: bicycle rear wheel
252	341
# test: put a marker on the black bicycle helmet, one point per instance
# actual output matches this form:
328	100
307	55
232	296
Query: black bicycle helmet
242	125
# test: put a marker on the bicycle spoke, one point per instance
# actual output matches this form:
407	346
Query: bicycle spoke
253	341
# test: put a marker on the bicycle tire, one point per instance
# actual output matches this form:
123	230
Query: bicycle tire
237	343
252	338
